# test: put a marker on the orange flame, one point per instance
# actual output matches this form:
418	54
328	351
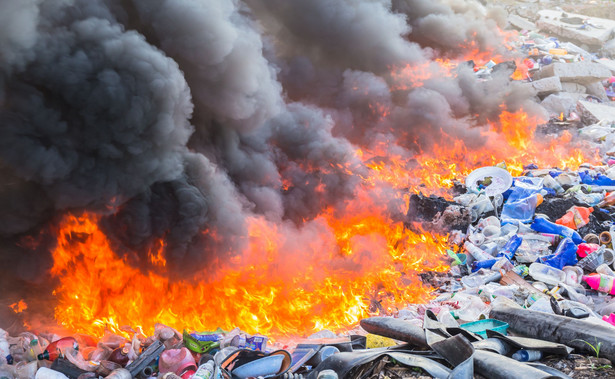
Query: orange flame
327	274
19	306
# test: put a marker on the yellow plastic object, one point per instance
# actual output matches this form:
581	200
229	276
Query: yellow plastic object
373	341
558	52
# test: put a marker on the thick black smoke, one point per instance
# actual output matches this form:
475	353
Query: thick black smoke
179	119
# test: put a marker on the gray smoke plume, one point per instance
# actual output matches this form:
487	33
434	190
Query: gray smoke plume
179	119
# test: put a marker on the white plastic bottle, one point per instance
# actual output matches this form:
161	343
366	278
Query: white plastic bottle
205	371
527	355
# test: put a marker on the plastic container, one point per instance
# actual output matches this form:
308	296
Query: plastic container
499	180
527	355
574	274
592	261
176	360
480	327
605	238
547	274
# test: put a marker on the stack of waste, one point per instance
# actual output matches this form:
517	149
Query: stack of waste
569	63
532	271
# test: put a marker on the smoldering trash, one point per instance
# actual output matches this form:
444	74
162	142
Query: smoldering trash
306	189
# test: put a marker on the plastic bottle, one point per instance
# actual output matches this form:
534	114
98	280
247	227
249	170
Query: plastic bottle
542	225
511	247
604	269
527	355
120	355
476	252
549	182
503	264
480	277
608	200
546	273
205	371
575	217
486	264
56	349
521	210
602	283
565	255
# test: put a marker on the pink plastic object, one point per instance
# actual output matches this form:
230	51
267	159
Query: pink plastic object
176	361
610	319
586	248
602	283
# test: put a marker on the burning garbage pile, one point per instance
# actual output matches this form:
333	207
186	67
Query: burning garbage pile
192	188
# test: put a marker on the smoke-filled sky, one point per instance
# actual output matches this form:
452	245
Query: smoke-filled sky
178	119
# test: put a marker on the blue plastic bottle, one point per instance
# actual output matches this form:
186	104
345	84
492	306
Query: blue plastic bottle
511	247
565	255
486	264
542	225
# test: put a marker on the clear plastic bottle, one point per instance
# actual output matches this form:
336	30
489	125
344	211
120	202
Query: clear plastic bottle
604	269
476	252
527	355
205	371
546	273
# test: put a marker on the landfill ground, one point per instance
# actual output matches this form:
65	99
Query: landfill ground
528	285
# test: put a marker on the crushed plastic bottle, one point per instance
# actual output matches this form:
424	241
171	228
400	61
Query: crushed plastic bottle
547	274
